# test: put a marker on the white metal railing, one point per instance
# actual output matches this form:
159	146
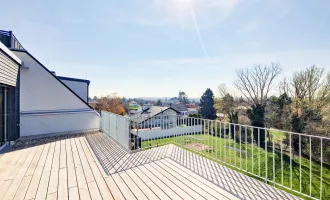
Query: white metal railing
294	161
117	127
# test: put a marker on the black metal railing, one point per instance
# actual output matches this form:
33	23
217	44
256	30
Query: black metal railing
9	40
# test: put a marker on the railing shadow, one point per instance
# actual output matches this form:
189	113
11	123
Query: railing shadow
234	182
114	158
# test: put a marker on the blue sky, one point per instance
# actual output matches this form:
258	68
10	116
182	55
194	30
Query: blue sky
154	48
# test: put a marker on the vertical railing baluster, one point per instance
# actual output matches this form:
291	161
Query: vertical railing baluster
252	149
282	175
216	139
259	152
208	138
273	157
290	160
246	150
266	155
229	140
240	146
235	145
300	186
224	136
220	138
321	174
310	166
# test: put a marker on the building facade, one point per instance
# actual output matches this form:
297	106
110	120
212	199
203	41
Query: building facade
9	96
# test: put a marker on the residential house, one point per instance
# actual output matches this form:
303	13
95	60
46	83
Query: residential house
180	108
46	104
156	115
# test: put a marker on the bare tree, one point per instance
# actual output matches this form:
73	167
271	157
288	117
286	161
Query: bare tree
255	83
310	89
311	86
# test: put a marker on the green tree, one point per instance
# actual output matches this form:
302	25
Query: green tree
159	102
279	111
227	104
183	97
207	109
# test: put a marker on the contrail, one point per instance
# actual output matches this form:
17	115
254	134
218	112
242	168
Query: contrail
198	32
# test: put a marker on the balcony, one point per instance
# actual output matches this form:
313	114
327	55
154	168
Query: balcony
171	157
9	40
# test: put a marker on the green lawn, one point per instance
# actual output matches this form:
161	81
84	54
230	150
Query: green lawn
246	156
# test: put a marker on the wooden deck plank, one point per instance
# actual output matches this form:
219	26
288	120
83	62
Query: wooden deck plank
224	193
204	184
239	188
145	189
73	193
43	185
96	159
53	181
63	154
72	180
21	191
84	162
52	196
12	172
132	186
20	175
4	187
7	161
117	194
152	185
75	154
159	183
88	154
33	187
122	186
82	184
63	184
35	161
166	180
104	190
191	189
94	191
49	159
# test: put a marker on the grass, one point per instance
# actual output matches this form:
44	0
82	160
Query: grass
244	157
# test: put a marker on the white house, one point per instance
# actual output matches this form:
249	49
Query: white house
44	103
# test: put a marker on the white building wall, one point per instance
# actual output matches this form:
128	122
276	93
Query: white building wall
80	88
43	124
47	106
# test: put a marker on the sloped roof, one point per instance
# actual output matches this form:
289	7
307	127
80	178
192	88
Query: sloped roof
179	107
24	51
150	112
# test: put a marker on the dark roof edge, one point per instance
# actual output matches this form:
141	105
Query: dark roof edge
20	50
73	79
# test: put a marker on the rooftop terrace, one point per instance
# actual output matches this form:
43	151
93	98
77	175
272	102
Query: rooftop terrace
94	166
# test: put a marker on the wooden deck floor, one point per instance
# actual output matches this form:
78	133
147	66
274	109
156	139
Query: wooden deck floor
94	167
